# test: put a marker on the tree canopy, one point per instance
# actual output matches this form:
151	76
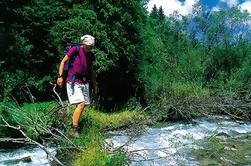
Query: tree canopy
138	54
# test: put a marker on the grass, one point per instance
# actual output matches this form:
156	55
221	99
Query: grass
32	117
94	153
92	136
110	121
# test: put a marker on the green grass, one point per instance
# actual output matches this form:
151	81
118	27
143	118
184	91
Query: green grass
92	136
109	121
38	107
94	154
32	117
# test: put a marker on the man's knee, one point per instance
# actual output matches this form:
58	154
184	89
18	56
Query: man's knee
81	105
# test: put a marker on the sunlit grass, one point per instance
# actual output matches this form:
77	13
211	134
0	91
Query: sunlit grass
113	120
91	137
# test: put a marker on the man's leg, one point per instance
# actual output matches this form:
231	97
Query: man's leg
79	95
76	115
75	118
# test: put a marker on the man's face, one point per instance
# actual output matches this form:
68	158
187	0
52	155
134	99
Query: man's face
87	48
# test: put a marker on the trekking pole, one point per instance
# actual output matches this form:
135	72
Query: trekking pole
54	90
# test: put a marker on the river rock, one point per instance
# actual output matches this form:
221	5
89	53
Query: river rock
2	150
229	148
222	134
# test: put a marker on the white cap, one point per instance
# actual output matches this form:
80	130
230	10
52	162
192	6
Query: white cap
88	40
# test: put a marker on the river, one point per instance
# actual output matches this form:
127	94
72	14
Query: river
26	156
176	143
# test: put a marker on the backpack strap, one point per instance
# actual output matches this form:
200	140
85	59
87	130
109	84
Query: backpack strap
75	54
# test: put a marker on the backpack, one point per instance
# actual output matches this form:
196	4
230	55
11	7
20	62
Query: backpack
74	54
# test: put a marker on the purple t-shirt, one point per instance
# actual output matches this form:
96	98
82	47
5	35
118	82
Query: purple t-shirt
81	64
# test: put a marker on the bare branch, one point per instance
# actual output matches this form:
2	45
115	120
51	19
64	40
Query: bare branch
29	140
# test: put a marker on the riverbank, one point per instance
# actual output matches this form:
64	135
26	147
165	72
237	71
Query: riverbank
43	121
94	125
48	123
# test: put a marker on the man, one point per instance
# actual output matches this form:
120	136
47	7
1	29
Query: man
78	78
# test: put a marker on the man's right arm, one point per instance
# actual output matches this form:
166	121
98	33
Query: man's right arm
60	80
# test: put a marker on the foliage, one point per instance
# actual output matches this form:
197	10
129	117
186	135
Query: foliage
32	118
188	90
208	50
225	37
38	31
138	55
162	66
29	51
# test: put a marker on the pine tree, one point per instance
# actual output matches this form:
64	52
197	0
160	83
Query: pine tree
154	12
161	14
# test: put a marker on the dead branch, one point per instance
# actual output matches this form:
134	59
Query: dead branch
26	89
14	140
179	107
28	139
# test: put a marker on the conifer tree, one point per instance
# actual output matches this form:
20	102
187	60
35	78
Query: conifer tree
161	14
154	12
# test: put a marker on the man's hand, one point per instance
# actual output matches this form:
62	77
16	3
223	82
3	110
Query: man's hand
60	82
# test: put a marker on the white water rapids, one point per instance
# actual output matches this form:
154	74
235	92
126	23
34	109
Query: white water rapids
162	145
37	156
170	143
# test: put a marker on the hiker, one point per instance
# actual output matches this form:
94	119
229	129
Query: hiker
79	77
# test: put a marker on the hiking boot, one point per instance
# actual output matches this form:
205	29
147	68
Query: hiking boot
75	132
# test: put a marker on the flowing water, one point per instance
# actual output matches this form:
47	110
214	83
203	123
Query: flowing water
25	156
177	143
174	143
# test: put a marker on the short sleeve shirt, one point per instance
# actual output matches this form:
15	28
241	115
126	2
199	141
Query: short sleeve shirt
81	64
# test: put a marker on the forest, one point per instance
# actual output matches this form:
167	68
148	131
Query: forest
175	67
139	55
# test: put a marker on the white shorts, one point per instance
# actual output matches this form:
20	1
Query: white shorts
80	93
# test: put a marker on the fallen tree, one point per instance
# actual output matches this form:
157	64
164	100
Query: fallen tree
174	108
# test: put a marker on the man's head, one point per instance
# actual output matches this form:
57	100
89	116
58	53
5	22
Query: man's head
88	41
